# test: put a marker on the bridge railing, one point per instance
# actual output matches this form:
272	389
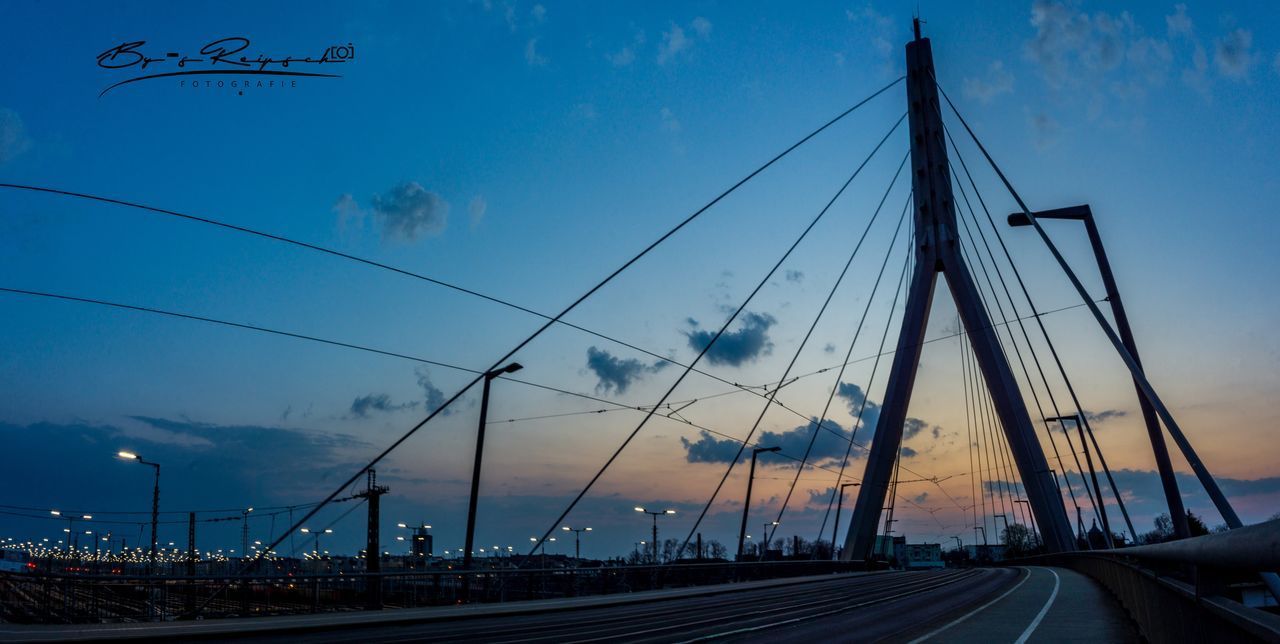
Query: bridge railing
33	598
1176	591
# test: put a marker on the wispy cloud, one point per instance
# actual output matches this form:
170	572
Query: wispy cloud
364	406
531	54
997	81
13	135
675	41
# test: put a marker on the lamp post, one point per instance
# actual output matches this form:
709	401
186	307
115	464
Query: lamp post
475	472
71	525
577	535
316	534
746	504
1168	479
244	532
836	527
155	504
765	533
655	516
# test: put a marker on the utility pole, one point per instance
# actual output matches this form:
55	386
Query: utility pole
373	549
937	251
191	544
746	504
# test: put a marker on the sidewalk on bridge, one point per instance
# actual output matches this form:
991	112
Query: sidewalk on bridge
1048	605
318	621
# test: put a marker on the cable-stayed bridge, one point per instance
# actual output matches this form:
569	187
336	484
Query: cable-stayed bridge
1059	579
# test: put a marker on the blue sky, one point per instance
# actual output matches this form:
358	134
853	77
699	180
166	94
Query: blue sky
525	150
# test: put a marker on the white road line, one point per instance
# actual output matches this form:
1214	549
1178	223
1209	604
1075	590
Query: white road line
974	611
1043	611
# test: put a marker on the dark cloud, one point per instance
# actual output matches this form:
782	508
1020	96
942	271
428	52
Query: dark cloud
410	211
616	374
362	406
830	445
434	397
921	497
855	397
794	276
829	348
907	452
1233	54
734	348
1099	417
912	427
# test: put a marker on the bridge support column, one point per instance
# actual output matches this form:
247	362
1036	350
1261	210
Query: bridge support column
937	250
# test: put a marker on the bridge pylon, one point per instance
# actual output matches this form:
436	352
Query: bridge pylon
938	251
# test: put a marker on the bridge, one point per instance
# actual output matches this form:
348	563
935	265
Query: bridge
1044	577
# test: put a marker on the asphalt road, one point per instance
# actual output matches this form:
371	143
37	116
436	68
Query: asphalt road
863	608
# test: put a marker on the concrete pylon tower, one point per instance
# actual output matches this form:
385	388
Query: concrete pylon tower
937	248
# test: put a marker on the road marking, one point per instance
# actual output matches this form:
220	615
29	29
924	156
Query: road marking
974	611
1043	611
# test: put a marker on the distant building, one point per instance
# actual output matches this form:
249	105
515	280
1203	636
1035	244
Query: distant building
422	545
993	552
921	556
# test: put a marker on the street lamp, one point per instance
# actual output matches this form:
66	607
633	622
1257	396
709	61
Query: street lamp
1168	479
155	504
244	531
836	527
765	534
71	526
577	535
316	534
475	472
746	504
655	516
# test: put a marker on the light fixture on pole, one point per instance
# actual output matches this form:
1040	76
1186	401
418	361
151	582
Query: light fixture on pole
577	535
746	504
155	504
835	527
655	516
475	472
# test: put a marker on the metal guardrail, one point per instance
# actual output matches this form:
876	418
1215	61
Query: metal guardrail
1175	591
65	599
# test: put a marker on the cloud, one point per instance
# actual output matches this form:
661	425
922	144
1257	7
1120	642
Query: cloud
1103	416
907	452
1096	54
347	210
622	57
998	81
912	427
433	396
1233	54
830	445
13	135
794	276
701	27
615	374
409	212
854	395
539	13
531	54
1178	24
1275	64
476	209
734	348
1044	130
829	348
363	405
669	121
675	41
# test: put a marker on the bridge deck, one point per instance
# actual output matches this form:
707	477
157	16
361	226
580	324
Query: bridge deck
990	605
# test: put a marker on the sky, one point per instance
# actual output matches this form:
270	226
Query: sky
524	151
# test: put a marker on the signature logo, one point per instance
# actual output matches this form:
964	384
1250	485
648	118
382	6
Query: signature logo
226	56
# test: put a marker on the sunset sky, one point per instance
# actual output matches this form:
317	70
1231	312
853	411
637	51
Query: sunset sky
525	150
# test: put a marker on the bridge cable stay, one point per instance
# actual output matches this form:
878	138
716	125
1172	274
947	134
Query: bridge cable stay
862	407
572	306
981	397
1002	457
1272	580
970	422
1049	342
768	537
723	328
1098	508
1026	336
826	409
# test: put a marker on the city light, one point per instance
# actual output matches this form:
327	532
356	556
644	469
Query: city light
128	455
